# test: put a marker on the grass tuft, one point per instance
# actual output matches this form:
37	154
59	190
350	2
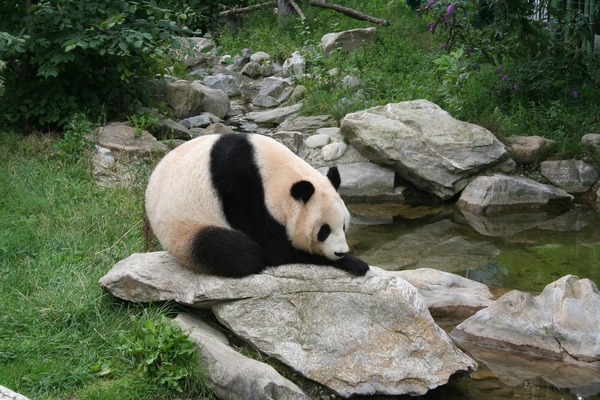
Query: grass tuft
61	336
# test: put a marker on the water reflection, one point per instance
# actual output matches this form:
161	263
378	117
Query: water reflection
524	252
515	370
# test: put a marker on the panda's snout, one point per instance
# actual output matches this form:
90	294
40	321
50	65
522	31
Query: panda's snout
340	254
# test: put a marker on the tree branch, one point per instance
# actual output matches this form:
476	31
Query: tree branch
244	10
350	12
298	10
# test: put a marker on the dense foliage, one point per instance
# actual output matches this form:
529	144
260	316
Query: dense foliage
66	57
538	49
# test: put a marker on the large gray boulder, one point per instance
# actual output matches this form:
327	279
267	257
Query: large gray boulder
574	176
425	145
561	323
501	193
188	99
231	375
363	336
355	335
348	40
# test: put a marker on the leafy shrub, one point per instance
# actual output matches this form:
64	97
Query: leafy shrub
541	60
73	144
165	354
454	70
67	57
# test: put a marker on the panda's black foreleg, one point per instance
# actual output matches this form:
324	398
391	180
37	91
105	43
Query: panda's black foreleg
353	265
227	252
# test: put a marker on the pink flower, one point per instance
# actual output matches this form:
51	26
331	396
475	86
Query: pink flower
450	9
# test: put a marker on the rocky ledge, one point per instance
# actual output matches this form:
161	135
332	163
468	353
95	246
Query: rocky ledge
354	335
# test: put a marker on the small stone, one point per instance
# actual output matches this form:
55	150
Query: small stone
104	157
526	149
333	151
260	57
593	140
316	141
333	132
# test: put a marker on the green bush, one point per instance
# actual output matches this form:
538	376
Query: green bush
161	351
540	60
67	57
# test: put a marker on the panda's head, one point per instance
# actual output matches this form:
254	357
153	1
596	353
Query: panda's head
321	219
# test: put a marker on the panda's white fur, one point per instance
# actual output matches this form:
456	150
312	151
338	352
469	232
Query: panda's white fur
191	211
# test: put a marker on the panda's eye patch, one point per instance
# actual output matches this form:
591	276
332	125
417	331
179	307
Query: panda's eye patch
323	233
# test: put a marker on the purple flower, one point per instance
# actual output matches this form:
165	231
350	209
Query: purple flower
431	25
516	87
430	4
450	9
443	46
575	94
546	23
505	77
499	69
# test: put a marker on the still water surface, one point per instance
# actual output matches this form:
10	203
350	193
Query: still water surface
524	252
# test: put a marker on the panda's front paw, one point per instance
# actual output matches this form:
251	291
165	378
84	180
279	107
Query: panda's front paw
354	265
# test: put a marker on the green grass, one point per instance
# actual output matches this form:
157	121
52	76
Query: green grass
61	336
399	67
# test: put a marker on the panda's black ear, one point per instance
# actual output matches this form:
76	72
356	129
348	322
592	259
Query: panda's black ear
334	177
302	190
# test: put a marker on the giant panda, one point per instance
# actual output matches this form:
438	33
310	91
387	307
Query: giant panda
233	204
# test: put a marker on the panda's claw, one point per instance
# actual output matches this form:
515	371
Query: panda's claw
353	265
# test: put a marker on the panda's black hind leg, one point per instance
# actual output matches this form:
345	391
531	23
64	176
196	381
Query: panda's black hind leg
227	252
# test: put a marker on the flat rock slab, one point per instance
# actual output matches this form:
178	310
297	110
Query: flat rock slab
231	375
356	335
561	323
123	139
445	293
501	193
